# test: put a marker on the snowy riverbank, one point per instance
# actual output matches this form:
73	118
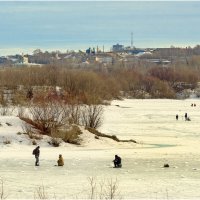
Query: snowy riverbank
152	123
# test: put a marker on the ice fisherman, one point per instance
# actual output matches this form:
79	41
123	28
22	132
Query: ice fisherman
60	160
36	152
177	117
186	116
117	161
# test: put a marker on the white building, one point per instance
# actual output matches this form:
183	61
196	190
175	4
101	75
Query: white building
104	59
25	59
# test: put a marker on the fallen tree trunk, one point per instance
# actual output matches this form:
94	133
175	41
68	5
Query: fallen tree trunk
114	137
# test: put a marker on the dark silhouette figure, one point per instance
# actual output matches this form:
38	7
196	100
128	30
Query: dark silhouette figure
194	105
176	117
29	94
36	152
186	116
117	161
166	165
60	160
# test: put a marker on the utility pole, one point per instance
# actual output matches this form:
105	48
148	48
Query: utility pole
131	40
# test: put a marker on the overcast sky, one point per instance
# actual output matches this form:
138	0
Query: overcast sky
79	25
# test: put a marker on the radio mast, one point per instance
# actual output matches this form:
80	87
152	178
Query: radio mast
131	40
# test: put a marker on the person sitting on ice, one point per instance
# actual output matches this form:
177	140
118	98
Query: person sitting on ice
60	160
117	161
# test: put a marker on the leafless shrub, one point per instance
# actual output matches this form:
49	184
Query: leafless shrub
55	142
53	119
19	97
47	116
6	110
40	193
35	136
74	113
3	195
3	110
34	142
105	189
6	141
29	130
72	135
21	111
93	187
112	189
92	116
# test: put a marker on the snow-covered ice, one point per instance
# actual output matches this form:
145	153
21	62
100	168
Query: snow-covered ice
161	139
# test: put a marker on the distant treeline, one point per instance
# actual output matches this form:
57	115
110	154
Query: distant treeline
93	85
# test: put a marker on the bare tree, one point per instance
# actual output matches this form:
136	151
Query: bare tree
92	116
74	113
48	116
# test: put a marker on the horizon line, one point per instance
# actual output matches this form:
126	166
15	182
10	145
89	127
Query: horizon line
99	1
29	51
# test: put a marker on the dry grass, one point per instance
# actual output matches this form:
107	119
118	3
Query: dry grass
6	141
35	136
70	135
55	142
34	142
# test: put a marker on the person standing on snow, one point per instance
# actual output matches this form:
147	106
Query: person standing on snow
36	152
186	116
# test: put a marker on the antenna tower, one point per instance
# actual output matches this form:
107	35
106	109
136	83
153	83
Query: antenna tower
131	39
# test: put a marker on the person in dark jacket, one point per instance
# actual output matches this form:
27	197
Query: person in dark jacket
117	161
36	152
177	117
186	116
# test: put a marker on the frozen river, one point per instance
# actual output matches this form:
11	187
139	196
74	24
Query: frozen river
161	139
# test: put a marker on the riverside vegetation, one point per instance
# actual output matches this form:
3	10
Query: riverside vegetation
58	98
